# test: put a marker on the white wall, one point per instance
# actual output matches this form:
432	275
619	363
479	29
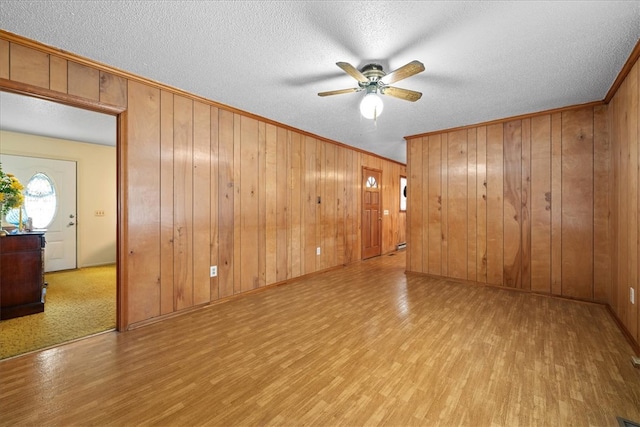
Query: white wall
96	169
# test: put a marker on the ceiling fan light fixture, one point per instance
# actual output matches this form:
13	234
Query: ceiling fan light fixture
371	106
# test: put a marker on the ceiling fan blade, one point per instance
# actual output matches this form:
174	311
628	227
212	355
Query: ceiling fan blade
406	94
408	70
353	72
338	92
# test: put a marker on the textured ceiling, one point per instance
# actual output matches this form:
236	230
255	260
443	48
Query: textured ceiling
484	60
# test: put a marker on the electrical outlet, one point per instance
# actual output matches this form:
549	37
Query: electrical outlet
318	250
632	295
213	271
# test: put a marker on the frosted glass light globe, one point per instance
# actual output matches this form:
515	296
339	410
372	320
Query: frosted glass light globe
371	106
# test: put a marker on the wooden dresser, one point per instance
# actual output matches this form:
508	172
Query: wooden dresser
21	274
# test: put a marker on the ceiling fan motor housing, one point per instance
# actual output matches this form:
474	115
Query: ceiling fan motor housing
374	73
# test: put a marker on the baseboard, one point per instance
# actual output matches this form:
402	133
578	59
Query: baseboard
634	344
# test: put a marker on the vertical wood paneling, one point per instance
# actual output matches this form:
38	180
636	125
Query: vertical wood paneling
226	195
414	199
83	81
445	197
183	202
632	237
512	205
577	203
271	204
541	204
113	89
28	66
249	210
424	222
166	203
525	210
601	200
481	203
59	76
214	198
495	205
328	206
341	186
351	203
296	186
556	204
237	204
312	213
142	198
283	213
472	210
4	59
262	204
457	221
435	205
201	202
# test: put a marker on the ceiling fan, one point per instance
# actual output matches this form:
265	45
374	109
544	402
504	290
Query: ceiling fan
372	79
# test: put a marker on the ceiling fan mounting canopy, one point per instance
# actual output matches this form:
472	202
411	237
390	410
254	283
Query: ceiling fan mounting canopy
373	79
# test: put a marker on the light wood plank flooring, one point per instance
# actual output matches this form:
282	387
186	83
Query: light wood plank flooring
360	345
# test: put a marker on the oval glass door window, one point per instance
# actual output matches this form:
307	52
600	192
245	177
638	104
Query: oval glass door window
40	200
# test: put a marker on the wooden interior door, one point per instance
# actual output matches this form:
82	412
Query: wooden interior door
371	213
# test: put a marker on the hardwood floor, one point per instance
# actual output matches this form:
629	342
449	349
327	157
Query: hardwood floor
361	345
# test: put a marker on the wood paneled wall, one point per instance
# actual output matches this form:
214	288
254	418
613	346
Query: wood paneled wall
624	116
203	184
521	204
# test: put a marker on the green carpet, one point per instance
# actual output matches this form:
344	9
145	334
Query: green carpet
79	303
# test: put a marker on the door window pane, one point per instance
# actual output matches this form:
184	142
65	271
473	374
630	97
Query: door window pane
40	200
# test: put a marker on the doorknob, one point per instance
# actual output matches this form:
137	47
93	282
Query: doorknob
71	216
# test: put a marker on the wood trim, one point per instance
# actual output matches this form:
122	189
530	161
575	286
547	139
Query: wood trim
624	72
625	331
52	95
508	119
14	38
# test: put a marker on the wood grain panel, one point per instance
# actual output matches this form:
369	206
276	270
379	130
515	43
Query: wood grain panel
166	203
472	210
541	204
481	198
312	213
113	89
632	229
59	75
183	202
141	154
283	214
495	204
424	209
622	204
271	203
414	202
577	203
435	205
237	203
201	202
351	203
296	184
457	220
83	81
28	66
328	207
525	201
341	187
4	59
556	204
226	196
601	190
262	204
512	204
248	204
214	199
445	198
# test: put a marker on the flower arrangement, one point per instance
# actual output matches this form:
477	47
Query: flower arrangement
10	192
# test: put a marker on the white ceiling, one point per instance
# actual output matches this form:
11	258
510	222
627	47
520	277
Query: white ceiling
484	60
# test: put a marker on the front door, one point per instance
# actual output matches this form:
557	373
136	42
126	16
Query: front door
371	213
53	205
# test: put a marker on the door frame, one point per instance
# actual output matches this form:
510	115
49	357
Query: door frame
7	85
